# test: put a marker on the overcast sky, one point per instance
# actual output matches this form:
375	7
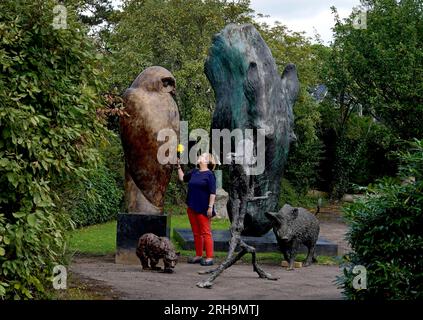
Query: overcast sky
310	16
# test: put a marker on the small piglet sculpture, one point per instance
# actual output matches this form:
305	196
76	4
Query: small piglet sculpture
293	227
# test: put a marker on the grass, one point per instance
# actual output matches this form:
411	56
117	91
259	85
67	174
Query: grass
101	240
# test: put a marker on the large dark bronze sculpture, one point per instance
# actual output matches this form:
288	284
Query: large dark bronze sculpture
251	94
150	105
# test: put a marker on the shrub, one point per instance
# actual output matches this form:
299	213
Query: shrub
347	154
305	154
48	135
96	199
385	235
99	197
357	150
290	195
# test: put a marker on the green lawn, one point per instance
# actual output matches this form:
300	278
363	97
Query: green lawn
98	239
101	239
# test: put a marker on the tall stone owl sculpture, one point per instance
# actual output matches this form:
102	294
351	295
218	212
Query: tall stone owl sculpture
151	107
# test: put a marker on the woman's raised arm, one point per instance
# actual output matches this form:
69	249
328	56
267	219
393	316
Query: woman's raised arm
180	172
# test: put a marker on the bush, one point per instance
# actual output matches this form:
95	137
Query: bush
302	167
48	137
376	158
97	199
357	150
347	154
289	194
385	235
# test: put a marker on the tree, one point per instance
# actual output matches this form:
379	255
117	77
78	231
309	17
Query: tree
295	47
49	133
101	17
383	63
174	34
95	12
370	77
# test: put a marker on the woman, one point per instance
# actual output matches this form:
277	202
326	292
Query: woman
200	202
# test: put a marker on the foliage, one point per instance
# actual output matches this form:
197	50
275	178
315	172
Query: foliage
95	12
289	195
101	18
370	105
99	197
113	159
375	158
382	65
385	235
175	194
295	47
104	200
357	150
174	34
302	167
49	135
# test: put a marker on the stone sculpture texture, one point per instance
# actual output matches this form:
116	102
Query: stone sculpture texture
251	94
150	105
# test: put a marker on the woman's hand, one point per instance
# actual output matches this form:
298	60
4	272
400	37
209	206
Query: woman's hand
210	212
180	172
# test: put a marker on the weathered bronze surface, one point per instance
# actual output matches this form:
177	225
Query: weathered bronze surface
150	105
250	94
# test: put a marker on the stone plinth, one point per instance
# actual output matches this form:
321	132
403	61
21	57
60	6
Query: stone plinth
130	227
266	243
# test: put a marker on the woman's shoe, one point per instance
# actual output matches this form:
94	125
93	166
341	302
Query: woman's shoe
204	262
193	260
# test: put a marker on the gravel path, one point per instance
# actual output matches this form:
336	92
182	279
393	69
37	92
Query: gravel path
238	282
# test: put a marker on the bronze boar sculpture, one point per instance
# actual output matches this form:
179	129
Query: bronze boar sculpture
293	227
150	107
250	94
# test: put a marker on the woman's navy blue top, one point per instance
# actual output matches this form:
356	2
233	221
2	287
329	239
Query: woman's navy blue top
201	184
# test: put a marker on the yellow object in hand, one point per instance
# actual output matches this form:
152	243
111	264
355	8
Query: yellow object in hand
180	148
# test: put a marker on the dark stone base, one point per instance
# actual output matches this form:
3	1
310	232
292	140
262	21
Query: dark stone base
130	227
266	243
